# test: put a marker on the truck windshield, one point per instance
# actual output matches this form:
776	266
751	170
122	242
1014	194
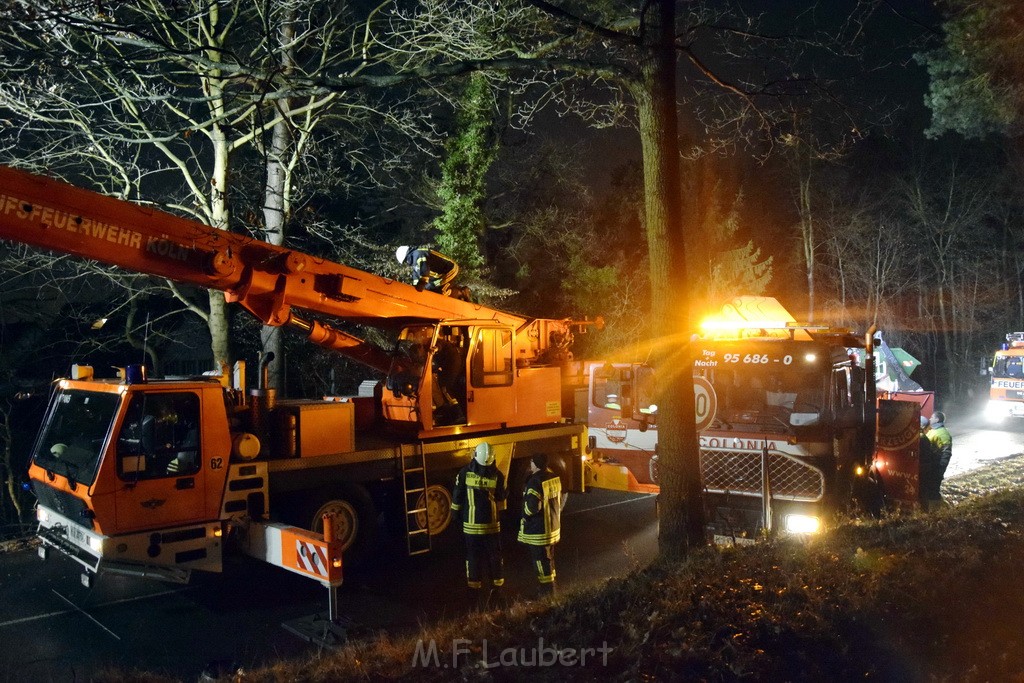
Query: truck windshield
73	434
1009	366
763	398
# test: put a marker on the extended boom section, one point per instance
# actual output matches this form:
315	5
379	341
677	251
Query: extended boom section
267	280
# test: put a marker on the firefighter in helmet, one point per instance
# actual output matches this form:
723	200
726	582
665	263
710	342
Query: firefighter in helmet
540	528
478	498
431	270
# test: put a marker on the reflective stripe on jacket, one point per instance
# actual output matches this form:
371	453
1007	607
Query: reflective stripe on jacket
480	494
542	509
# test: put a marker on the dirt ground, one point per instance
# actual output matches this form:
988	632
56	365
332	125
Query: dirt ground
997	476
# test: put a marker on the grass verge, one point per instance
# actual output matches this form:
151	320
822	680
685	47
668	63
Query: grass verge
926	597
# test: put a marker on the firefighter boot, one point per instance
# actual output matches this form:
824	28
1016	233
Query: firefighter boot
546	591
497	599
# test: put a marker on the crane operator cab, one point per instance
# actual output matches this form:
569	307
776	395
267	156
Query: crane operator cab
469	373
430	361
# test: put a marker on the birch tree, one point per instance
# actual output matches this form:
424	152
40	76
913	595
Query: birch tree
171	102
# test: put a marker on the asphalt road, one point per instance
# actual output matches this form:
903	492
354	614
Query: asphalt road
53	629
978	442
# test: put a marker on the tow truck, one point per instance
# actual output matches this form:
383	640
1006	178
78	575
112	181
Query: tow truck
158	478
792	428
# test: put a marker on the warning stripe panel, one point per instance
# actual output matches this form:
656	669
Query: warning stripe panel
309	554
311	558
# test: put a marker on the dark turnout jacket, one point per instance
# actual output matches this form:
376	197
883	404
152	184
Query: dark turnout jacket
542	509
480	493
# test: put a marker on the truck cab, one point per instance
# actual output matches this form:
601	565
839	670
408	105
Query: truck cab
1006	384
115	462
781	429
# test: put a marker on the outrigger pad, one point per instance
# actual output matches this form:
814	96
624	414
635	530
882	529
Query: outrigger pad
319	630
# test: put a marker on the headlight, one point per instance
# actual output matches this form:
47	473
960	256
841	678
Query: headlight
995	410
42	515
96	544
801	524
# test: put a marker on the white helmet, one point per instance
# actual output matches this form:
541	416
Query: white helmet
401	253
484	454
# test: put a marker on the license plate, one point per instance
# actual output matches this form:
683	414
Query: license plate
732	540
76	534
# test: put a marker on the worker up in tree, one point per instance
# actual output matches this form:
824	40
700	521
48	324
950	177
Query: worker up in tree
942	441
431	270
540	528
478	498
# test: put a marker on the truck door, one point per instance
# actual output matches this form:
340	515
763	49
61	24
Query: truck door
489	397
159	462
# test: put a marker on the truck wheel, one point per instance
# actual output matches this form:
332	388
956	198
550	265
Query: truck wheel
868	496
355	518
437	499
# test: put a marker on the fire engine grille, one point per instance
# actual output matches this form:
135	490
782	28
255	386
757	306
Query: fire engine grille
739	473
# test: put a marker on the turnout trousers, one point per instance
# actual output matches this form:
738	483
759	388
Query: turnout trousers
483	554
543	557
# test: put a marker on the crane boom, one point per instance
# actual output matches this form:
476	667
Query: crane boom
265	279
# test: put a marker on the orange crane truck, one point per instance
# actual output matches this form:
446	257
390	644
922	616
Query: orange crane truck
160	477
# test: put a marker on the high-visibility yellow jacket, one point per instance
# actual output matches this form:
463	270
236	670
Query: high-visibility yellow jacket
480	493
943	442
542	509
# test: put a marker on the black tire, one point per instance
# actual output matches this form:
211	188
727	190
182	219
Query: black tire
869	496
355	523
439	508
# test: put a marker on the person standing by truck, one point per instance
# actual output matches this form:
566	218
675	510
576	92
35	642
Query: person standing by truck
942	442
540	528
479	496
928	457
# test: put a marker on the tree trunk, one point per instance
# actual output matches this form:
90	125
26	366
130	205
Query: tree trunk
7	468
276	209
275	217
681	507
220	217
807	231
